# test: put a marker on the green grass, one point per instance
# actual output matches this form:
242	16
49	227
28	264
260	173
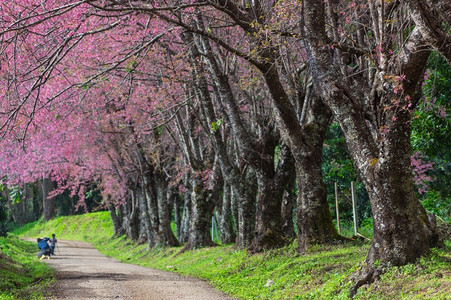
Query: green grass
91	228
322	273
22	275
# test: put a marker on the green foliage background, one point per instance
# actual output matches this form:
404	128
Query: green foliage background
431	135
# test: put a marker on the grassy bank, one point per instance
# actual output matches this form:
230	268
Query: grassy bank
280	274
22	276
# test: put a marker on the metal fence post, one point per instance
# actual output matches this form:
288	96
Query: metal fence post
337	209
354	207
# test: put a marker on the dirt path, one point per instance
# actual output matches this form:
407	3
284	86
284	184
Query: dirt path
85	273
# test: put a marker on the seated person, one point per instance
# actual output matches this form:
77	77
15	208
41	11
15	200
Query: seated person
44	247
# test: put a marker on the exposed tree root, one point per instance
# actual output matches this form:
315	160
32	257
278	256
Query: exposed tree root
366	275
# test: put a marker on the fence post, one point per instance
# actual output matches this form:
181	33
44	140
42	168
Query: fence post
337	209
354	207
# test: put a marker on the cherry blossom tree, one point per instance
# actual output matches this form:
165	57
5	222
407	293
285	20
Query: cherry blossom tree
96	91
372	89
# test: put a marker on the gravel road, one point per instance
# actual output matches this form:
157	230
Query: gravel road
82	272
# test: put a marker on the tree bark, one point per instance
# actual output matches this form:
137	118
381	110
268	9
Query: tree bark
150	194
225	225
48	204
177	215
246	211
201	211
269	232
37	205
430	26
184	226
29	193
131	217
118	231
234	207
288	203
145	217
305	139
258	152
442	8
402	231
17	210
165	200
314	220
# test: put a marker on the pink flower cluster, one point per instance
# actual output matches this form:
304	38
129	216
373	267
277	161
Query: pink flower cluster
419	169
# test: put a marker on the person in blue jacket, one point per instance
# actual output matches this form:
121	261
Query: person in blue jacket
44	247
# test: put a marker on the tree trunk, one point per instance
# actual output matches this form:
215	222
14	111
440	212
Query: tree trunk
201	212
48	204
378	138
431	27
288	203
246	210
268	233
150	195
142	238
27	201
402	231
16	208
246	222
116	222
269	223
177	216
234	206
131	217
145	217
225	224
184	226
306	142
164	195
314	219
37	205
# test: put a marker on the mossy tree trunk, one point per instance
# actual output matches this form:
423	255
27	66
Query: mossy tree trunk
288	204
131	221
201	211
374	111
225	224
117	224
165	204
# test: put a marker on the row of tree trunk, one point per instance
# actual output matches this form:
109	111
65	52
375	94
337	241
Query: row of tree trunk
245	154
334	83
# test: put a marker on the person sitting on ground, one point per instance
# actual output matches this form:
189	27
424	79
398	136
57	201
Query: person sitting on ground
53	242
44	247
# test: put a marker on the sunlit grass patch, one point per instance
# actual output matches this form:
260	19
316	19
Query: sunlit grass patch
428	278
22	275
87	227
321	273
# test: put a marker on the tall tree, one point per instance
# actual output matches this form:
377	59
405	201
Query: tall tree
373	107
